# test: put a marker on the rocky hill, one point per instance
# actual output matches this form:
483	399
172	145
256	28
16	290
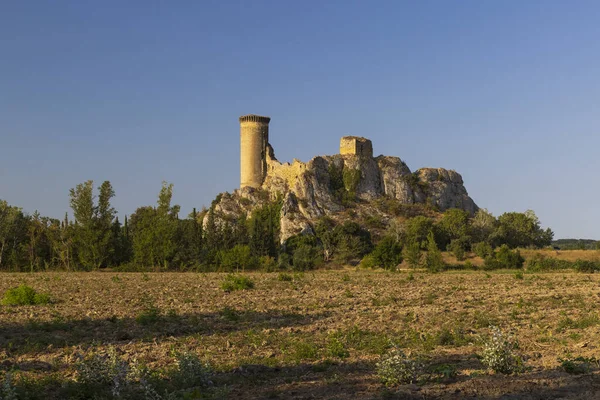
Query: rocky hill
328	185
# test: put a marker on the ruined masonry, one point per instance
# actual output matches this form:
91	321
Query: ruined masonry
308	188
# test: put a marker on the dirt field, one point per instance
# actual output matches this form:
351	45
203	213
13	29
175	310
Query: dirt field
316	336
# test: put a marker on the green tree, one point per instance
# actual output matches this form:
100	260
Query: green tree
9	229
92	231
387	253
418	229
433	259
154	230
412	254
521	230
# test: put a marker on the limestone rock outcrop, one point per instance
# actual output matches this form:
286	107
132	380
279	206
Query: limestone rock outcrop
316	188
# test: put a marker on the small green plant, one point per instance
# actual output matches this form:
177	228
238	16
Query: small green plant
234	282
230	314
24	296
149	315
336	348
519	275
283	277
499	353
443	372
577	365
396	368
115	278
345	278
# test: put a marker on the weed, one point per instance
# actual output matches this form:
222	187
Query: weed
519	275
24	296
304	351
150	315
191	371
582	322
397	368
115	279
283	277
335	348
345	278
348	293
443	372
103	371
236	282
230	314
578	365
499	353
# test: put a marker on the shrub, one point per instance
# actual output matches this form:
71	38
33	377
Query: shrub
397	368
504	259
388	253
304	257
368	261
457	247
483	250
539	263
191	371
103	371
586	266
24	296
499	353
236	282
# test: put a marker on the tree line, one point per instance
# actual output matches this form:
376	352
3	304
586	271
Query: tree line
156	237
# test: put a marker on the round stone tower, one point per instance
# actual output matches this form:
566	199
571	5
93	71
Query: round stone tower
254	138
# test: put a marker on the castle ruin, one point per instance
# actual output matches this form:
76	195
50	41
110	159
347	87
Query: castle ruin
254	139
255	151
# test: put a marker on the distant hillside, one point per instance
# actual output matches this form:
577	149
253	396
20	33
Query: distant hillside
576	244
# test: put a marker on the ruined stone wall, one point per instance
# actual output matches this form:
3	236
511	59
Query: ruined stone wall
254	137
356	146
289	173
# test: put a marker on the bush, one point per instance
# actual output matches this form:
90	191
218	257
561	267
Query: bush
540	263
368	261
586	266
458	248
499	353
504	259
236	282
191	371
103	371
388	253
396	368
483	250
24	296
304	257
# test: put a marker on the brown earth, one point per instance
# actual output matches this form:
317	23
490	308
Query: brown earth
319	335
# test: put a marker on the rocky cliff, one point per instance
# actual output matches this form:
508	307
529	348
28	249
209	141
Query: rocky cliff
326	185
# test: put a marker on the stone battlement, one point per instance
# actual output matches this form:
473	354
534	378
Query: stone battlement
254	118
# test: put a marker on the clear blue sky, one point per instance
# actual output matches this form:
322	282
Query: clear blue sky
505	92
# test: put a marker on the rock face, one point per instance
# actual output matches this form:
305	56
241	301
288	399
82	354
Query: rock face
322	185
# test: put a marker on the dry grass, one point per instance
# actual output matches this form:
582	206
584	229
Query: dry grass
318	335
